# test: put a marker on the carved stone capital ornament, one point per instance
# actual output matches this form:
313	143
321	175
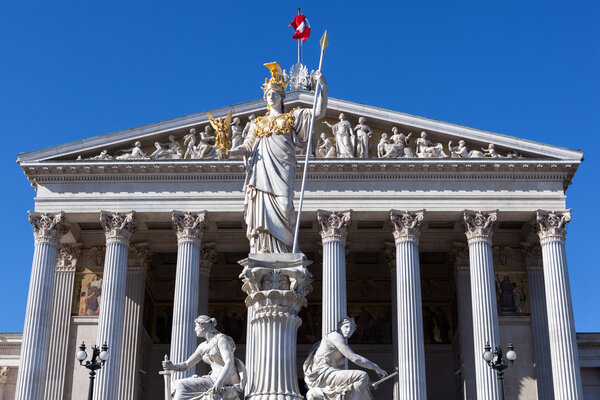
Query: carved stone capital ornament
208	256
407	224
334	224
190	226
459	256
479	225
551	225
139	257
67	257
48	227
118	227
532	255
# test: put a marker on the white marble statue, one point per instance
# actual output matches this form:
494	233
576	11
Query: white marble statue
325	147
167	151
427	149
133	153
271	167
363	135
461	151
344	137
382	145
300	78
189	141
491	152
398	146
206	146
237	132
102	156
324	369
227	377
248	125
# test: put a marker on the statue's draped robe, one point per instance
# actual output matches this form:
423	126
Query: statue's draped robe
269	187
327	379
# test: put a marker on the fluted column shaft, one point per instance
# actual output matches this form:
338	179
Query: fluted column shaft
465	323
139	260
334	230
483	298
61	318
541	337
276	302
411	347
118	229
48	229
190	229
566	373
390	252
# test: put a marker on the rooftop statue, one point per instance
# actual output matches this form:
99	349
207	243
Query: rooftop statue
461	151
325	147
222	127
397	146
344	137
171	150
133	153
324	369
363	135
227	377
189	141
271	165
206	146
237	136
427	149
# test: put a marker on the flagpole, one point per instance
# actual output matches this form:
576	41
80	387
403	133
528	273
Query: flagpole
299	43
324	44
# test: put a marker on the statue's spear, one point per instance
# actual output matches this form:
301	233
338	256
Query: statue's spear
324	43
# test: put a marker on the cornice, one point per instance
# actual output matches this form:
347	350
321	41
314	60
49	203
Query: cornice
319	169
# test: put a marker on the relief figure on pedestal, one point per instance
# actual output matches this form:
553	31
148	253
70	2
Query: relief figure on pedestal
237	132
398	145
227	377
270	148
363	135
461	151
324	369
171	150
133	153
427	149
189	141
206	145
325	147
344	137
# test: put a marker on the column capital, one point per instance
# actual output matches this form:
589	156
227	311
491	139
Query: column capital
459	256
208	256
407	224
551	225
478	225
334	224
532	255
190	226
67	257
48	227
139	257
118	227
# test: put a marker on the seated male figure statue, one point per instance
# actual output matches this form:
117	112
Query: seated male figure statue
324	371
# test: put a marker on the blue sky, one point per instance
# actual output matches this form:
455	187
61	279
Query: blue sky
71	70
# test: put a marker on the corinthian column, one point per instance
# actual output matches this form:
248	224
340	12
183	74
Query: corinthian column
460	257
539	320
561	325
118	229
411	348
334	229
483	298
190	229
139	262
59	331
276	285
48	229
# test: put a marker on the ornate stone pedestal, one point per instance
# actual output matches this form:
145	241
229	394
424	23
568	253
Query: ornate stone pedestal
277	285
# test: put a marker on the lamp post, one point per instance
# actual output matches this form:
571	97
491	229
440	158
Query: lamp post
495	361
99	357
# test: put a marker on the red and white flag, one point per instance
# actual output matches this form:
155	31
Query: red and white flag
302	27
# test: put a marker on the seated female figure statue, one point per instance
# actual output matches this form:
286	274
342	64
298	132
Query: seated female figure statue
227	377
324	371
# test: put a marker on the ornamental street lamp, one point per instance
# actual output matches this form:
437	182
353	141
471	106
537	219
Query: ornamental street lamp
495	361
97	361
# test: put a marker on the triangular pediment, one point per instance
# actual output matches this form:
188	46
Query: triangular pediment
380	120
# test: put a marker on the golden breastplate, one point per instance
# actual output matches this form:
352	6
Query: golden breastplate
266	126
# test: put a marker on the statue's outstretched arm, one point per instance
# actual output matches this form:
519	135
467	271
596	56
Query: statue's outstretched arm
321	108
357	359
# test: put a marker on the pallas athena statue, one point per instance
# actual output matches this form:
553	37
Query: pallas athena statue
227	377
271	165
324	369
